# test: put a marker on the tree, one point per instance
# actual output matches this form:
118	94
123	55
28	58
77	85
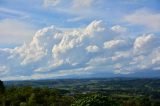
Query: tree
32	100
2	88
2	91
23	104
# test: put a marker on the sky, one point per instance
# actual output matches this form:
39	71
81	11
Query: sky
45	39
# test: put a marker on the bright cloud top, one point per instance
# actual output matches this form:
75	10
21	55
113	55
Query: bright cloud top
96	48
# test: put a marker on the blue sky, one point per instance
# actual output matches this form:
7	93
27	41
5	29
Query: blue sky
59	38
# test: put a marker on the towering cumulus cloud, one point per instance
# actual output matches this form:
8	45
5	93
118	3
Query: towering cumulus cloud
96	48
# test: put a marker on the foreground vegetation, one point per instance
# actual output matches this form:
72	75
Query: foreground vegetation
82	92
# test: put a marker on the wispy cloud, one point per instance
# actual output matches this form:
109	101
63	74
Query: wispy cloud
78	4
76	19
145	18
76	8
47	3
15	32
12	12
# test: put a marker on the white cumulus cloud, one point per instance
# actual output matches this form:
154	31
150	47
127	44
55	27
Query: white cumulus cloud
95	48
119	29
114	44
92	48
146	43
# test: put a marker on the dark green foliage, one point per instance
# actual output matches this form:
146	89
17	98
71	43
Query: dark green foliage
2	92
2	88
28	96
95	100
105	92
